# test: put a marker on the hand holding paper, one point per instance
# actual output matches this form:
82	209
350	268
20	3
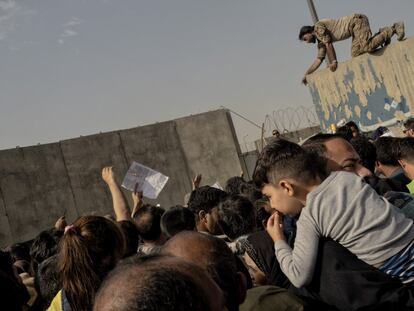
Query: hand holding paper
150	182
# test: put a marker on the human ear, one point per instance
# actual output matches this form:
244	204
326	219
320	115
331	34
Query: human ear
287	187
402	163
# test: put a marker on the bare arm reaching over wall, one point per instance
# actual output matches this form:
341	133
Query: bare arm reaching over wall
315	65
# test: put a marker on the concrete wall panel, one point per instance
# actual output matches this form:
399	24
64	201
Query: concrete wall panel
50	183
3	211
35	189
85	157
208	142
5	232
17	194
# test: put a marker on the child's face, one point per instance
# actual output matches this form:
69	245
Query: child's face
283	199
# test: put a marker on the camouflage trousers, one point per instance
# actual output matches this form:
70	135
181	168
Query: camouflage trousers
362	39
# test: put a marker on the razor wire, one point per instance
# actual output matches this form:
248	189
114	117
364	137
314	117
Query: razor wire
290	119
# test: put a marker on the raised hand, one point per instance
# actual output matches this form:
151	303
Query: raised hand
304	80
137	197
196	181
108	175
61	224
333	66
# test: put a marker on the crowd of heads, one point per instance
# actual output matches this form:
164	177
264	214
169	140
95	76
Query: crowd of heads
206	255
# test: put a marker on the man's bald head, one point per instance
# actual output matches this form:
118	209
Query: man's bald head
158	283
338	152
213	255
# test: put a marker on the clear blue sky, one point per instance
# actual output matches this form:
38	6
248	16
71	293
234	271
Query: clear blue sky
78	67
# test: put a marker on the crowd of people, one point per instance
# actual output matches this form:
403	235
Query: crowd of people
325	225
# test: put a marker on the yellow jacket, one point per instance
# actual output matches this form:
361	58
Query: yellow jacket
56	304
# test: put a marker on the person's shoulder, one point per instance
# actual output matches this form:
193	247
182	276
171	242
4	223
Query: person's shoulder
336	176
336	179
348	180
345	176
323	22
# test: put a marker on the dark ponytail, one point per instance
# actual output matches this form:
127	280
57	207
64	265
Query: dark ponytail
88	250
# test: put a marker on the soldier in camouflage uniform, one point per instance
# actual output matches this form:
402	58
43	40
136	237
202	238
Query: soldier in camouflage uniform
327	31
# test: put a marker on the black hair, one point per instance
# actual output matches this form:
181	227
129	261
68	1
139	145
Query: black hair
345	131
131	236
177	219
147	220
48	281
236	216
316	143
250	192
205	199
234	184
385	147
284	159
352	124
44	246
409	124
153	288
20	251
6	263
20	254
379	132
404	149
14	294
366	151
304	30
262	215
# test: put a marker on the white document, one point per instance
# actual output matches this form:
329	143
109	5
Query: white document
150	182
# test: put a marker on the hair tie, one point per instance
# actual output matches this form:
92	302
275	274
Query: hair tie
70	229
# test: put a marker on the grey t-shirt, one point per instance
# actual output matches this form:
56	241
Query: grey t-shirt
346	209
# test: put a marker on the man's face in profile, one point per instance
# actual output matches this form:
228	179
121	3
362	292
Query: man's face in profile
343	157
212	222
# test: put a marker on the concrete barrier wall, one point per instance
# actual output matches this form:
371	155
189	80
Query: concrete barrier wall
39	184
372	89
215	147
